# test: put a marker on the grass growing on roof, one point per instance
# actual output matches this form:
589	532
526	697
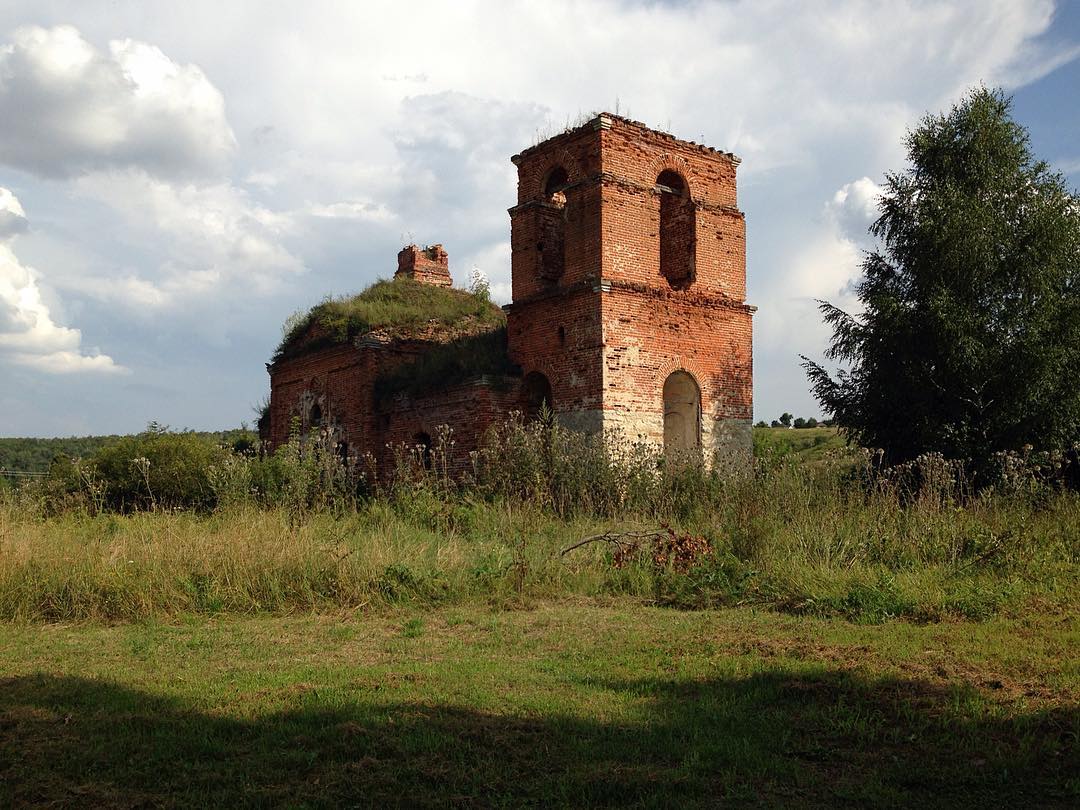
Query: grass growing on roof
465	358
398	305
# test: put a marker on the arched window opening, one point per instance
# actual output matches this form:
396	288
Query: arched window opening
677	230
315	417
422	448
552	244
682	413
555	187
537	395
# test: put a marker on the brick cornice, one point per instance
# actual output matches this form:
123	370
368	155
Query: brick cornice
684	297
605	286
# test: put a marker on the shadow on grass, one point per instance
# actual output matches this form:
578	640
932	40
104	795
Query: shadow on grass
771	739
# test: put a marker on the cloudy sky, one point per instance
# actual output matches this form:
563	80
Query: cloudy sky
177	178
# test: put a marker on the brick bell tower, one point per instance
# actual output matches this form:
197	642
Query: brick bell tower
628	264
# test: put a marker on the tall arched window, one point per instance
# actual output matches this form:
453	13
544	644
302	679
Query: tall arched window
552	238
677	230
315	417
682	413
537	395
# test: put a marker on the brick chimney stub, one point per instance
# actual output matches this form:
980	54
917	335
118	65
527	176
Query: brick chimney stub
428	265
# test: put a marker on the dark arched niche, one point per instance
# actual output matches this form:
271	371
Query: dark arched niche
551	244
677	230
536	390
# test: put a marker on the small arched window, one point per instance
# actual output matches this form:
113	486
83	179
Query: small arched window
536	391
315	417
677	230
555	186
551	246
682	413
422	448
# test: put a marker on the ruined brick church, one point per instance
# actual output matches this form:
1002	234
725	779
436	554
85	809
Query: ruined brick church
628	268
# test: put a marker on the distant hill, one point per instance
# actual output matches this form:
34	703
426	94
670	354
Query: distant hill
35	455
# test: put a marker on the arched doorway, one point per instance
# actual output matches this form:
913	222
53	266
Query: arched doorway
682	413
536	390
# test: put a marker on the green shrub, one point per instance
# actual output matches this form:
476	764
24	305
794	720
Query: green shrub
300	528
157	470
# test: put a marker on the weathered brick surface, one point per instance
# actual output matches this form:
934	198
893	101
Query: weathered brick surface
628	263
429	265
653	280
468	408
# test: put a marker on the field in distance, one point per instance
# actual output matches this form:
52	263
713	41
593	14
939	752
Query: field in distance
35	455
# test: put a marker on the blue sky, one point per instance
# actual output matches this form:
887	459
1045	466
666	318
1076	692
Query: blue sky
177	179
1050	107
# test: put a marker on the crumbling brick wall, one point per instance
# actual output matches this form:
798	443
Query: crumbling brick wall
429	265
654	280
468	409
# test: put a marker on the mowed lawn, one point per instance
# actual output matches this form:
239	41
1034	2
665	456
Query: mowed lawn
564	704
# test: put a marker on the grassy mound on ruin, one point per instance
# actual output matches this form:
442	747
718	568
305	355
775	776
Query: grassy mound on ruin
402	307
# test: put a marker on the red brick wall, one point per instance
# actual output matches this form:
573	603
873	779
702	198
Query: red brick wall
341	379
650	333
334	377
469	408
559	336
653	281
633	159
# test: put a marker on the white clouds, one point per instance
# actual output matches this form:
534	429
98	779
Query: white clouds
28	334
12	216
213	239
492	262
825	268
68	107
854	207
354	209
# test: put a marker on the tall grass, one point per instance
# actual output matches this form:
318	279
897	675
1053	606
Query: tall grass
297	532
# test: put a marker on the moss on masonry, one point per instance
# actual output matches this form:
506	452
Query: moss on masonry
464	358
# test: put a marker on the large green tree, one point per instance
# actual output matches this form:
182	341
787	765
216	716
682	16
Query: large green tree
968	341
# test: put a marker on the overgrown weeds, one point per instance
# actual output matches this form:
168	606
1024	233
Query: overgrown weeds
301	530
